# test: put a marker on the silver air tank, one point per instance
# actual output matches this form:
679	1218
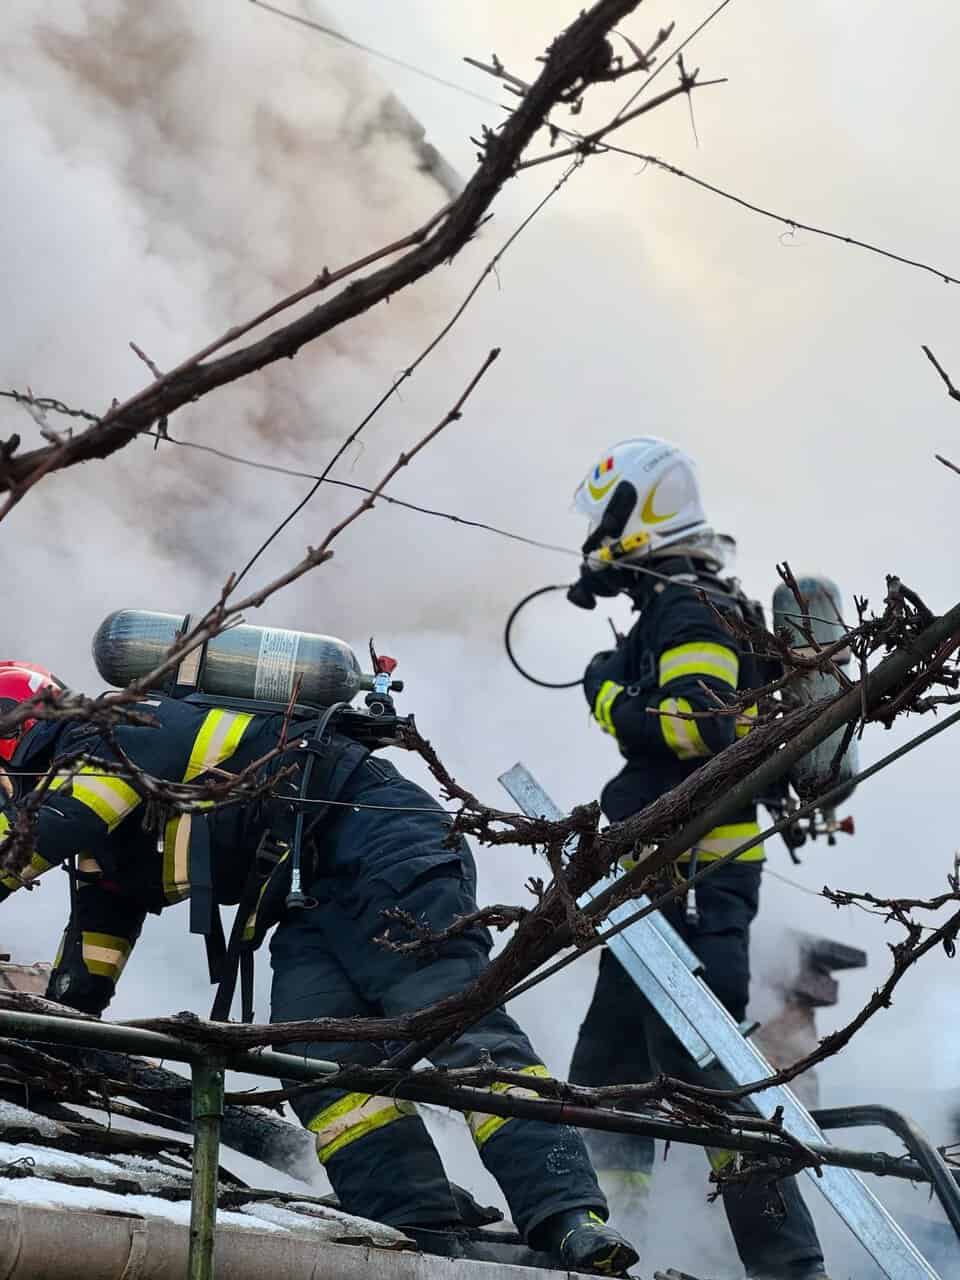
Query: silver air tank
262	663
824	609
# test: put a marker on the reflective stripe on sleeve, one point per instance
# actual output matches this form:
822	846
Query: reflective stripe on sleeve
176	858
352	1118
35	867
217	740
483	1126
683	737
746	721
723	840
714	660
105	954
110	798
603	705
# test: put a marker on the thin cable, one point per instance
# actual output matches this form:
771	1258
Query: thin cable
482	525
791	223
377	53
794	884
358	488
669	59
340	804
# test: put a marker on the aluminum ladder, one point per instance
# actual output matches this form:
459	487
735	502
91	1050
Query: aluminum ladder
668	974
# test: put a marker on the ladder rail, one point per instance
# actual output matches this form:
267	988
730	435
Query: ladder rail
694	1004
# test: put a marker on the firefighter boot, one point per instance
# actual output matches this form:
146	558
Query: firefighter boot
582	1241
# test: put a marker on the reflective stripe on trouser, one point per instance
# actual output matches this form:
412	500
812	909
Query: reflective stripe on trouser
352	1118
105	954
96	944
326	963
723	840
482	1126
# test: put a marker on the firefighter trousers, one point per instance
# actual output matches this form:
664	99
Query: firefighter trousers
771	1227
376	1151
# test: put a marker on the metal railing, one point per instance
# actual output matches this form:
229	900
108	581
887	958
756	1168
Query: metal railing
208	1069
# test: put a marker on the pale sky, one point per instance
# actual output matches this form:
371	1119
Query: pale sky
176	167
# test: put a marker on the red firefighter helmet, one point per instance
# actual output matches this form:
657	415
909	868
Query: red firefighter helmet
18	682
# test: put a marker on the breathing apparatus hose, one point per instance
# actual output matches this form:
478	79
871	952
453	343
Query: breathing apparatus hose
514	614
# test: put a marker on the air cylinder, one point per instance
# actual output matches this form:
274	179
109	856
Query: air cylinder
262	663
821	617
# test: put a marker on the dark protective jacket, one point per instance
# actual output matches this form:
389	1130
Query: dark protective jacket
134	857
382	844
678	657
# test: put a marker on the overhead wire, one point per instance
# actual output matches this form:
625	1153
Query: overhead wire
665	62
334	34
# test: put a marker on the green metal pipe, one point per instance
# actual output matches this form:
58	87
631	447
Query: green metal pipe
207	1091
287	1066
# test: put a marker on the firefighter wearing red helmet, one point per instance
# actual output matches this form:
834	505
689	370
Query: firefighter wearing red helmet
21	682
373	841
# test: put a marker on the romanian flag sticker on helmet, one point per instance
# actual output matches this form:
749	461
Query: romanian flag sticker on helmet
598	485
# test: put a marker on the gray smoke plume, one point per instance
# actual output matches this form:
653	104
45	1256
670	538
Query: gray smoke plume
172	169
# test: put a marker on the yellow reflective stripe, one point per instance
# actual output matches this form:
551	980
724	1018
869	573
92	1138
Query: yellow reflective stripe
621	1179
250	928
9	882
353	1117
700	660
483	1126
720	1159
746	721
723	840
111	799
176	858
681	736
603	705
35	867
217	740
105	954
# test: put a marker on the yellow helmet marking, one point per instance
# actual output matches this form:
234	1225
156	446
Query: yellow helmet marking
599	491
648	515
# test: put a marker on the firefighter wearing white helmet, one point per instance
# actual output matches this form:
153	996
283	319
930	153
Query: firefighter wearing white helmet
642	496
657	694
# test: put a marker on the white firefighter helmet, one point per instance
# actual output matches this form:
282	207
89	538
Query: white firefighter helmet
640	497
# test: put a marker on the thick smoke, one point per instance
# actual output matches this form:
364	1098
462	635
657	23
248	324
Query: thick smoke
171	169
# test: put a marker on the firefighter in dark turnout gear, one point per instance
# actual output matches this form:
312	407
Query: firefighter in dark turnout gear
379	842
655	694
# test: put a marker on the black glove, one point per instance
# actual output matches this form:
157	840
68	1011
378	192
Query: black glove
607	581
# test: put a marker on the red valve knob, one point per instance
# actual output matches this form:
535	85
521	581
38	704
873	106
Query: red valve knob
386	665
846	826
